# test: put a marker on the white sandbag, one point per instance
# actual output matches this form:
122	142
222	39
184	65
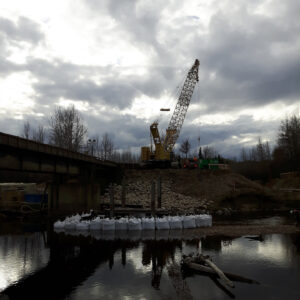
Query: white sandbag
108	224
175	222
200	221
75	218
148	223
121	224
162	223
59	225
84	215
96	224
189	222
71	225
134	224
84	225
207	220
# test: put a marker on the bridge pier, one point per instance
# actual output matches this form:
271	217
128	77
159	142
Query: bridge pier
66	198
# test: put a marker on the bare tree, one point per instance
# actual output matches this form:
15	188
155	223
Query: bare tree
26	130
260	151
116	156
209	152
67	129
267	151
106	147
243	155
253	154
126	156
185	147
39	135
289	137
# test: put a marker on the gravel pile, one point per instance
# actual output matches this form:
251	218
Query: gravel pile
138	192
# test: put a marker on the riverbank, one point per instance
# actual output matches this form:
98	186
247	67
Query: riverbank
188	191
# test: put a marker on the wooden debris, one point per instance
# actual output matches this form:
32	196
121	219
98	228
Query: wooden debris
231	276
217	270
204	264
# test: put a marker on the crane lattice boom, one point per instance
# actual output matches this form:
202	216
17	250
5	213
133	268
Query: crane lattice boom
182	105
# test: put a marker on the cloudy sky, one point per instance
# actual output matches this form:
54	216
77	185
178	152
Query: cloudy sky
119	62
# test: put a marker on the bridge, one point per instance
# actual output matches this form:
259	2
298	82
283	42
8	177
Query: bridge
74	180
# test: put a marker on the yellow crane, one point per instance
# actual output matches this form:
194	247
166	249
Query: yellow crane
163	148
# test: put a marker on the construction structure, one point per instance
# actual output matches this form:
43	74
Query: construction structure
163	151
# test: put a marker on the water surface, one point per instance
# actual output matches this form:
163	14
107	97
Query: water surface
36	264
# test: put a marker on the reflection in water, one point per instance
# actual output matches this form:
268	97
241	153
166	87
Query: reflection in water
157	254
118	265
21	255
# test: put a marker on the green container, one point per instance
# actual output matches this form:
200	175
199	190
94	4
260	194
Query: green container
211	164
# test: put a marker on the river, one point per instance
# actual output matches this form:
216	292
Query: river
36	263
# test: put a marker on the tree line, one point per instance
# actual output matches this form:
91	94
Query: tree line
261	162
206	152
66	129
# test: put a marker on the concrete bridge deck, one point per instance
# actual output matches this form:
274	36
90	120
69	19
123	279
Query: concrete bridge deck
74	179
19	154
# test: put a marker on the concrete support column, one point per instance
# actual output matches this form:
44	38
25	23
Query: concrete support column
73	197
53	196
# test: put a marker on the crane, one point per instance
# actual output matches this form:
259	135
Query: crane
164	147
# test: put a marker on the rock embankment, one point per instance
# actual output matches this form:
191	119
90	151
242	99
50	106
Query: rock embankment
190	191
138	192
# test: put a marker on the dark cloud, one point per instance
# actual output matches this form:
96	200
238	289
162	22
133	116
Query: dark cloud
14	34
126	130
23	30
10	125
7	67
59	79
248	60
228	138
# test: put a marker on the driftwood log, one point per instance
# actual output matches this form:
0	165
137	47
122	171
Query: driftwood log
204	264
231	276
204	260
218	271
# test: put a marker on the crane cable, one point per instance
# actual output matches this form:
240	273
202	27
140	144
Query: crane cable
173	98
